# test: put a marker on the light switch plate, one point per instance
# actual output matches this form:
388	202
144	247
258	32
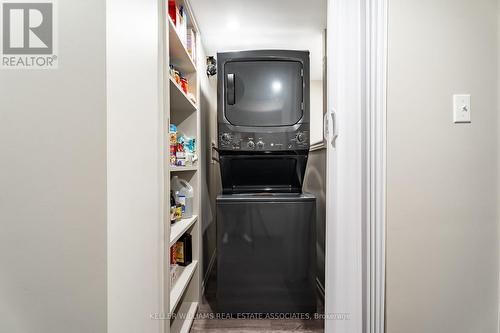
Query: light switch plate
461	109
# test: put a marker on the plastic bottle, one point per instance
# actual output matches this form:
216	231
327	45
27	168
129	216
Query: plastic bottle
184	194
172	207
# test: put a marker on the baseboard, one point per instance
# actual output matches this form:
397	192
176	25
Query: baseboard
209	271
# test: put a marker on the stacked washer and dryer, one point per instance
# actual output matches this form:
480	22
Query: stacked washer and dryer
266	229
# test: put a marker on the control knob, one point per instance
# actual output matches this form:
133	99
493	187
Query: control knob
226	138
260	144
301	137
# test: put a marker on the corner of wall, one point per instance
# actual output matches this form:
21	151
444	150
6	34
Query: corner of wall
208	102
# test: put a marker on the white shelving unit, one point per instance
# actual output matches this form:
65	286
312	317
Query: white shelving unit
189	309
180	227
181	284
183	296
183	103
183	168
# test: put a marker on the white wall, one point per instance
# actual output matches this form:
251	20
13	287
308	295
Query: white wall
135	174
210	173
53	184
442	227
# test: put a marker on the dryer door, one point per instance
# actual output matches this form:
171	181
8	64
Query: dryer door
263	93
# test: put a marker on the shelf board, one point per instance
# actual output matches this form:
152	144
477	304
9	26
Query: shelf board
181	284
180	227
179	56
183	168
182	324
179	101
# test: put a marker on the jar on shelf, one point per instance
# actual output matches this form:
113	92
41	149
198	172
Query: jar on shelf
184	84
177	77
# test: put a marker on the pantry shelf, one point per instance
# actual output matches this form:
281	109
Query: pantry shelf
181	284
183	168
180	227
182	133
180	102
179	56
182	323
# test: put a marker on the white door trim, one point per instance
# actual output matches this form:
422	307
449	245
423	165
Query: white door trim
355	231
376	79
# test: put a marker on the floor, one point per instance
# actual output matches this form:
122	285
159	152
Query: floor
206	324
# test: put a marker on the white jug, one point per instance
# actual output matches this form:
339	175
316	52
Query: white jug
184	194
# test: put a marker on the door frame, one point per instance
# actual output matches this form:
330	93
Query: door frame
356	166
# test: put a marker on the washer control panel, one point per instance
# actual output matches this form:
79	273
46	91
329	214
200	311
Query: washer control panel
298	140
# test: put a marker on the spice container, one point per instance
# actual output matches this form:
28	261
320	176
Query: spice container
177	77
173	144
184	250
184	85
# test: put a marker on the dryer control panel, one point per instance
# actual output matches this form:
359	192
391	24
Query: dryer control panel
259	141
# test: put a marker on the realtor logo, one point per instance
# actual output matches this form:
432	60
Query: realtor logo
28	34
